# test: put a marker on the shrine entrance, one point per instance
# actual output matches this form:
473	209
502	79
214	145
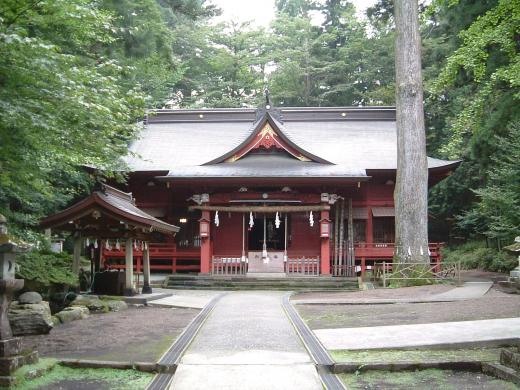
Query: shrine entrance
267	245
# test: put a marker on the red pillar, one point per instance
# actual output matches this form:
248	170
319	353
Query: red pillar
370	227
205	244
325	243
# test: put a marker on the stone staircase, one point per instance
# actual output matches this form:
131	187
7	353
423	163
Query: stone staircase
508	368
259	282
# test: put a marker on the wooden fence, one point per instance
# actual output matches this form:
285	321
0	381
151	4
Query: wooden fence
228	266
307	266
385	271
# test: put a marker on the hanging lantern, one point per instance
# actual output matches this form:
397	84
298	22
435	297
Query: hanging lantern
251	220
277	221
217	221
204	228
311	219
324	228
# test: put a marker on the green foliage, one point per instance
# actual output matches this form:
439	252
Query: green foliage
46	268
475	255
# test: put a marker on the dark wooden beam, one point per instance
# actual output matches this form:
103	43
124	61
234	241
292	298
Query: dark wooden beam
261	209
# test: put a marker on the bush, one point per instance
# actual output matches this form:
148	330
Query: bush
474	254
44	270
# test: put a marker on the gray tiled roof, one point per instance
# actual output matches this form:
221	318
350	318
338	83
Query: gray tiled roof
352	139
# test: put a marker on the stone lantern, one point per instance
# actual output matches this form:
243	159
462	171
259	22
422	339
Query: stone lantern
515	249
10	347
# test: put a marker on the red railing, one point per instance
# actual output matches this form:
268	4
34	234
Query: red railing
163	257
366	254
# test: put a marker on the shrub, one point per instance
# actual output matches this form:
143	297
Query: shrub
45	270
474	254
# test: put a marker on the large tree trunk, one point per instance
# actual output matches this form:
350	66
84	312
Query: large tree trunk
411	190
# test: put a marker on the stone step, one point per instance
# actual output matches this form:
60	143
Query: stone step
510	359
502	372
271	283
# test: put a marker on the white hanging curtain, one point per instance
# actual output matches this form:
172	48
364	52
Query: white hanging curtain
251	220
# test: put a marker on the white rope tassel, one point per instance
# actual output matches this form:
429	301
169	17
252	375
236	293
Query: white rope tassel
277	221
146	245
429	252
95	244
251	220
422	252
142	245
217	221
409	251
107	245
87	242
118	246
311	219
135	244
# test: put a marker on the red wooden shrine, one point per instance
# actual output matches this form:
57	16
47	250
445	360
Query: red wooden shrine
295	190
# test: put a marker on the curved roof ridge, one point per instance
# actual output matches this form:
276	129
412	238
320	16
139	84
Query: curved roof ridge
248	144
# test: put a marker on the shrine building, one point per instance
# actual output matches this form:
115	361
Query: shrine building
304	191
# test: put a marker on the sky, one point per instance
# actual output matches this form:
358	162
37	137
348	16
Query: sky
262	11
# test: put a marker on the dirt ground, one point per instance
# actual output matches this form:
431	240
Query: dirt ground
140	334
495	304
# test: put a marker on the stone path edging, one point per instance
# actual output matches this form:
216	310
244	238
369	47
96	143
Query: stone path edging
466	365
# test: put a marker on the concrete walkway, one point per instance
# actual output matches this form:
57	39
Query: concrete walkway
453	334
195	299
247	343
469	290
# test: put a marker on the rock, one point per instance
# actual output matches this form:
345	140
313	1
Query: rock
115	305
30	297
92	302
55	321
73	313
30	318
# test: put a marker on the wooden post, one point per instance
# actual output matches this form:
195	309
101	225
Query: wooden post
384	274
350	247
205	246
77	254
146	270
341	235
325	247
336	238
129	268
370	228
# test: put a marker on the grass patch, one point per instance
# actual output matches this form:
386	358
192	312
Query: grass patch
424	380
415	355
103	377
149	351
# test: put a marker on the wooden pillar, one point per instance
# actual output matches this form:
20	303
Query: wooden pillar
205	243
325	246
146	270
77	254
139	261
129	267
370	227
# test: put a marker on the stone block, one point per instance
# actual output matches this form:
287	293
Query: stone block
510	359
30	297
7	381
115	305
73	313
9	364
10	347
30	318
92	302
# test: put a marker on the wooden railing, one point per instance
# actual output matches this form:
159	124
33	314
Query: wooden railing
228	266
308	266
386	272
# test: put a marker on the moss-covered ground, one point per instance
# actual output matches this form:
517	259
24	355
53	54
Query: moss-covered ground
60	377
424	380
416	355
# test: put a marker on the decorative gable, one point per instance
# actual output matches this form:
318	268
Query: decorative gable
268	135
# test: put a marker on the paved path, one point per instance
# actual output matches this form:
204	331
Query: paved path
469	290
435	334
195	299
247	343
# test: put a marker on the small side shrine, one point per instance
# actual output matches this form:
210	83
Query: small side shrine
109	218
